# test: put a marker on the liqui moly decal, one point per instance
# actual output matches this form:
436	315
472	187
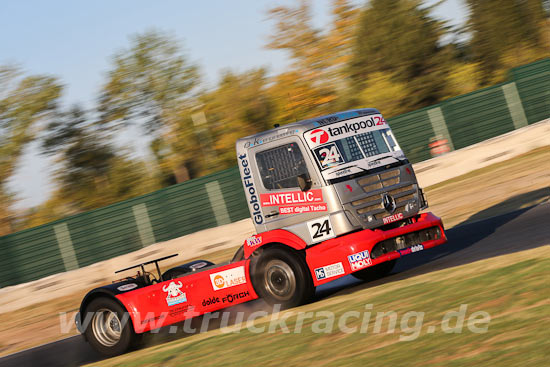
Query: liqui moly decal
359	260
292	198
344	129
250	190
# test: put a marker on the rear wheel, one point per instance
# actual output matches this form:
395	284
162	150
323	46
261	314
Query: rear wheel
281	276
375	272
110	331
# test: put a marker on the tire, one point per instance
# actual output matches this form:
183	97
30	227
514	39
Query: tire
109	332
239	255
281	276
375	272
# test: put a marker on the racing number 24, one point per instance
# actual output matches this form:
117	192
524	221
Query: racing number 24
320	229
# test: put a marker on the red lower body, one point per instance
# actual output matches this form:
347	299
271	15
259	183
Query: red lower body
340	249
163	304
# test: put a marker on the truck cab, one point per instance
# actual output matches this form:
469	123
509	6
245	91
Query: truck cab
325	177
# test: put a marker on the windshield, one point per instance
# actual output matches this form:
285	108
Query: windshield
353	148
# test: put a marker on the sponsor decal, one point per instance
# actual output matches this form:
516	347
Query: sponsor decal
328	156
250	190
392	218
175	295
178	311
318	136
329	271
359	260
292	198
344	129
152	319
354	127
210	301
127	287
230	298
417	248
228	278
320	229
344	116
200	265
299	209
411	249
342	172
266	139
254	241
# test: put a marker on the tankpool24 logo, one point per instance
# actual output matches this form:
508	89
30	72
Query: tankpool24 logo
318	136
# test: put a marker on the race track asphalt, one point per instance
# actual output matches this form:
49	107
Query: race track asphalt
504	234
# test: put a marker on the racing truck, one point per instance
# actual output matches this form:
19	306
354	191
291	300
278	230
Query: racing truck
328	196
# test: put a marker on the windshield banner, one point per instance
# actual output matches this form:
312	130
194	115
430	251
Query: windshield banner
344	129
371	145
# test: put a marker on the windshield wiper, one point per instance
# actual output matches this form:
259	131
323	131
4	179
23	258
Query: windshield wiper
348	167
388	156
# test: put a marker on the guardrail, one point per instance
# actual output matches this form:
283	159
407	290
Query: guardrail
218	199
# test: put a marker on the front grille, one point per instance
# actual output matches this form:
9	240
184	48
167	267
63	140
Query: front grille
369	208
395	192
368	180
388	174
372	187
375	186
391	182
405	198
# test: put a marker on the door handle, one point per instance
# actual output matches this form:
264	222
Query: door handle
272	214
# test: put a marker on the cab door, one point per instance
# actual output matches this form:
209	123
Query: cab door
290	188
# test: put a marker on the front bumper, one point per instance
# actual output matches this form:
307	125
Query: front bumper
346	254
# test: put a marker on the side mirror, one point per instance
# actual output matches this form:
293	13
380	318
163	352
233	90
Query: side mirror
304	181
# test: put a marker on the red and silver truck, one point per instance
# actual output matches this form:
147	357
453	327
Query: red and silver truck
328	196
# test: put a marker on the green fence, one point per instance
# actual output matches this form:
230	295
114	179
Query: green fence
480	115
219	199
127	226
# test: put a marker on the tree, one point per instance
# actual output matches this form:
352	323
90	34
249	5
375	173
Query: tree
24	103
340	40
296	98
294	33
149	85
239	106
384	93
312	84
400	38
90	172
506	33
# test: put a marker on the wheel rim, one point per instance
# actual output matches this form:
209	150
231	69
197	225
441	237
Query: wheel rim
280	280
106	327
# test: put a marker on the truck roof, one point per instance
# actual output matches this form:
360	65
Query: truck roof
299	127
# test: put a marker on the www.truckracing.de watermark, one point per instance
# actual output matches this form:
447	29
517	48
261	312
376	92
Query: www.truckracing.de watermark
407	325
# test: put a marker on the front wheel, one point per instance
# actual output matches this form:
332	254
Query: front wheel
375	272
281	276
109	331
